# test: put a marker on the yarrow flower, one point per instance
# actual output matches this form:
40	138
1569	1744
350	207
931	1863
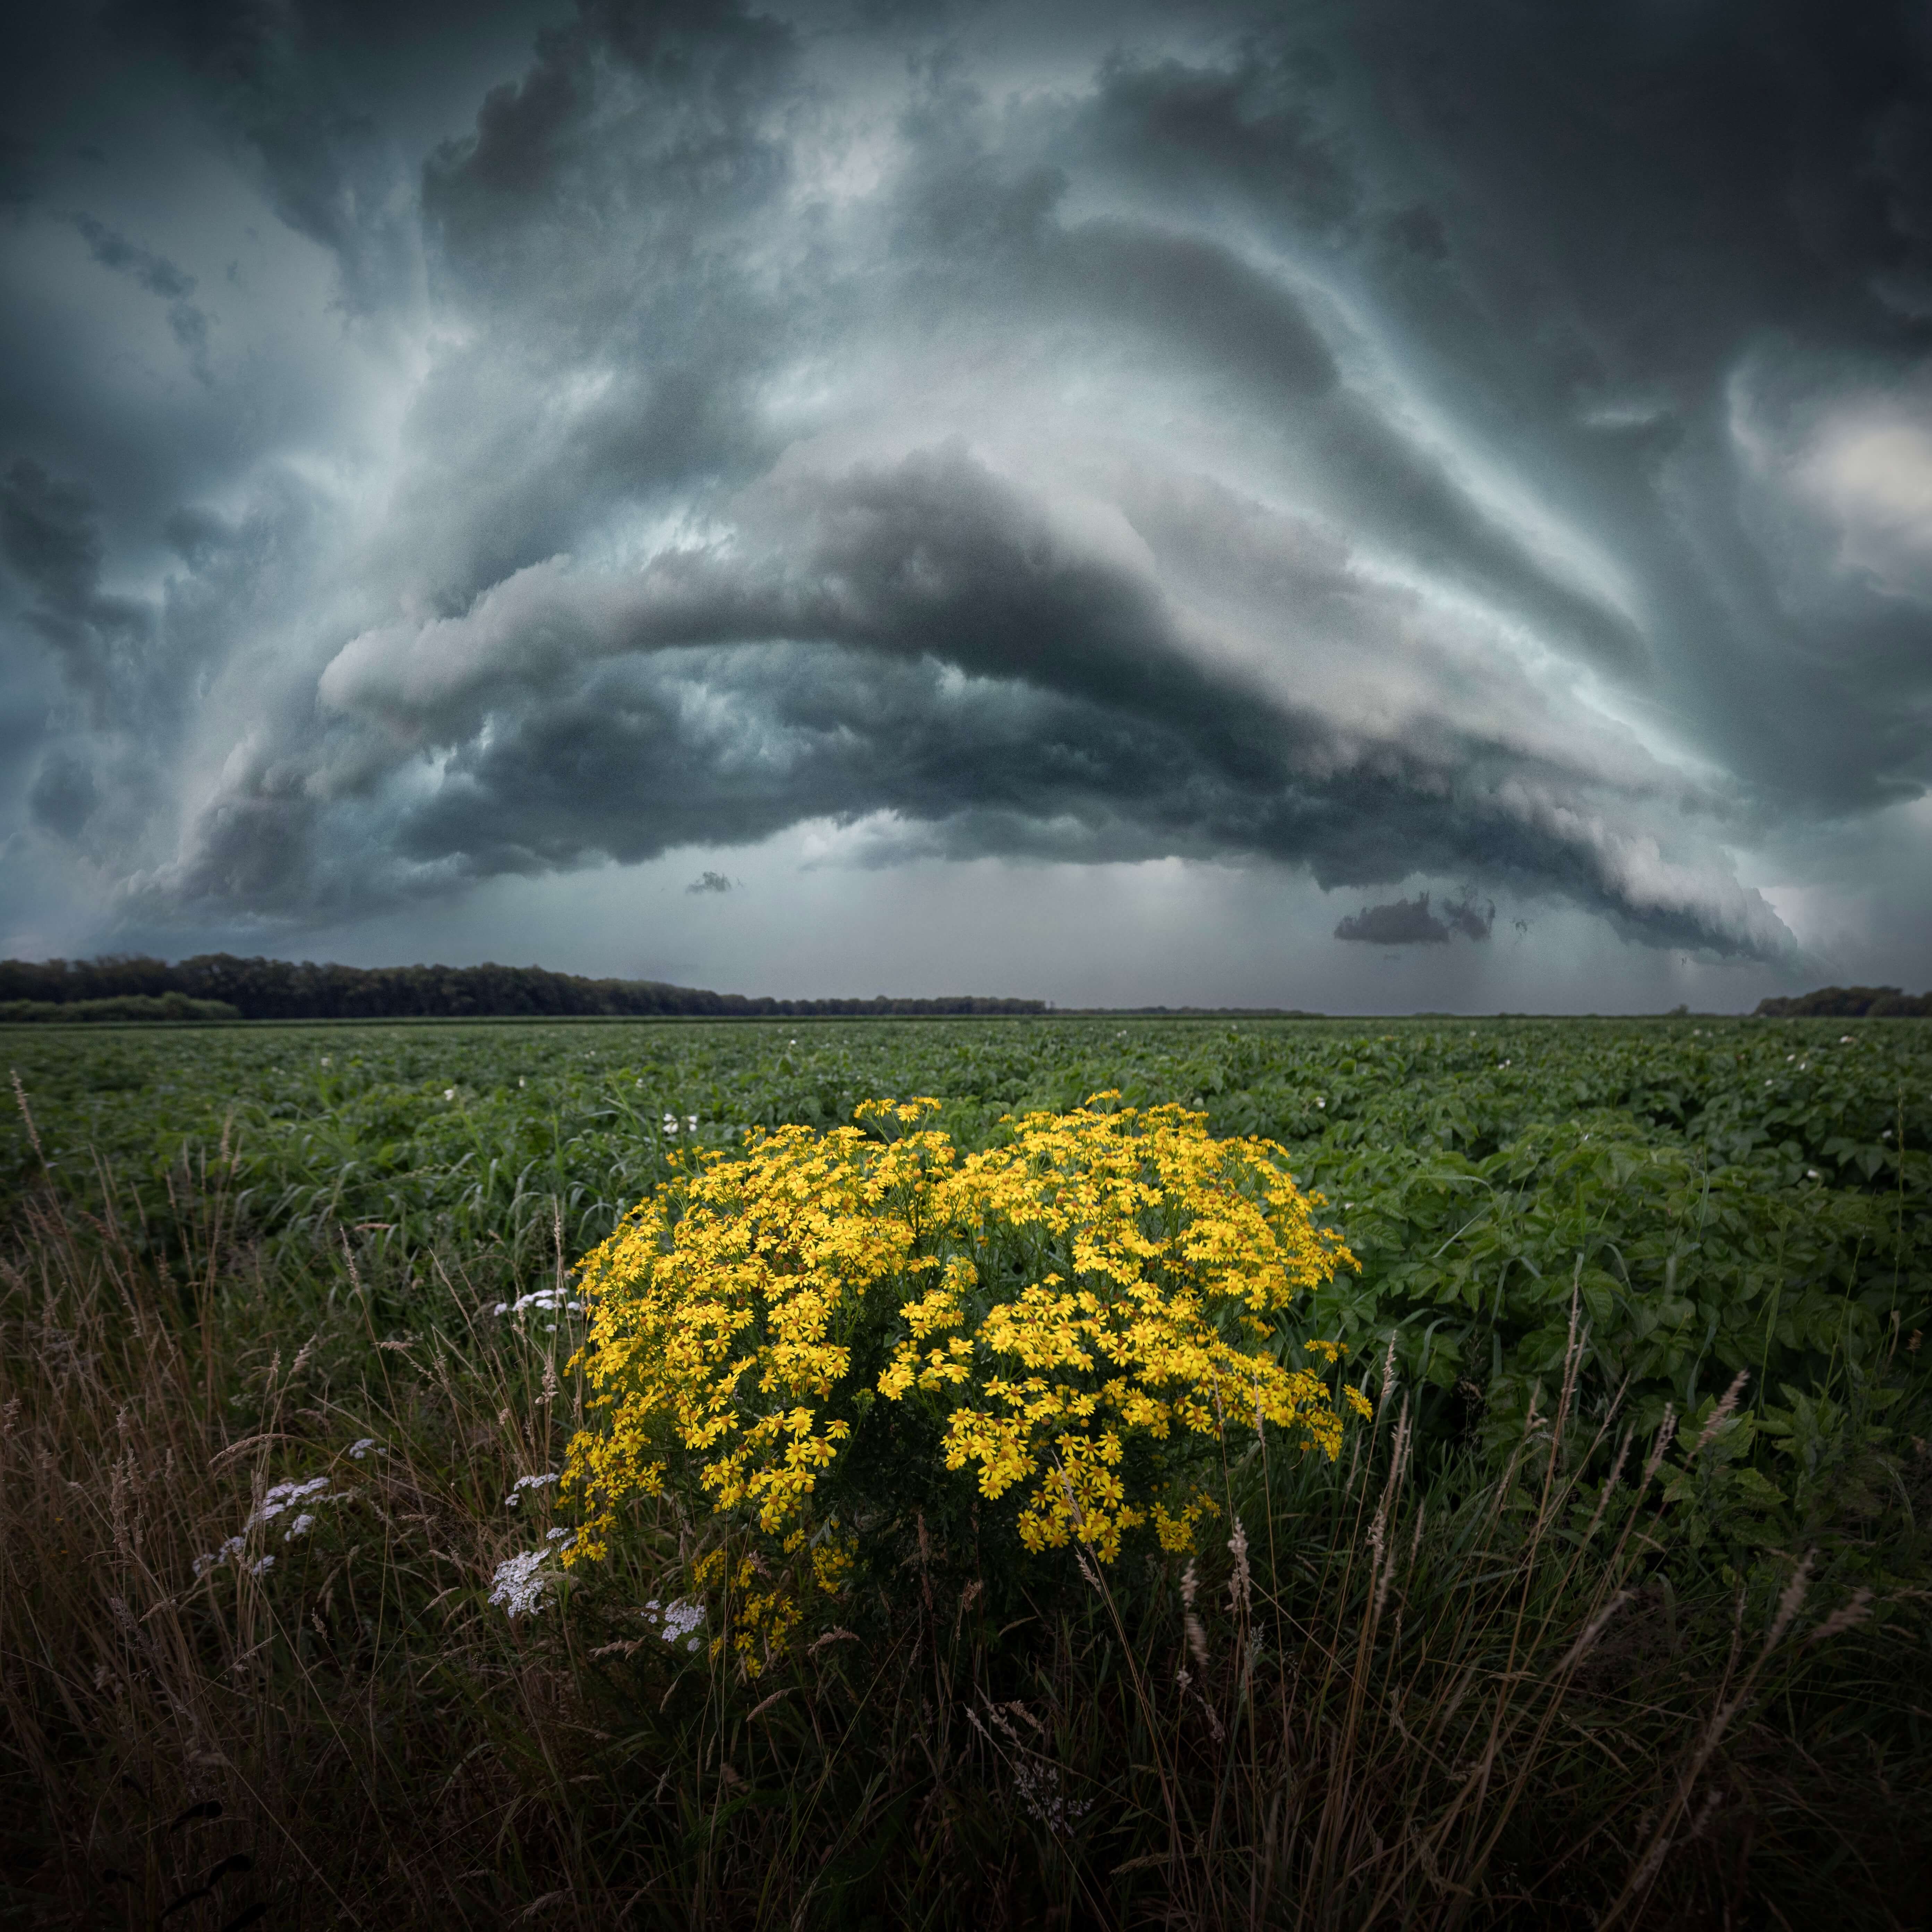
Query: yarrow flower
523	1483
549	1300
285	1496
677	1619
519	1586
234	1546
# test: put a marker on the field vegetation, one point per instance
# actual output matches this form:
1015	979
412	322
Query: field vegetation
1609	1607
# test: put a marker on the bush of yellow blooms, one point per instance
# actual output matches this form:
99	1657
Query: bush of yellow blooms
797	1336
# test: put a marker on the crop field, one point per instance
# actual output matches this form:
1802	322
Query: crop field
1612	1608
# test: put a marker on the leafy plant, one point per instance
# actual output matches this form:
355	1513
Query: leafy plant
1076	1323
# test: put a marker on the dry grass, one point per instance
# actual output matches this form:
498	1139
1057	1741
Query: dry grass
1497	1697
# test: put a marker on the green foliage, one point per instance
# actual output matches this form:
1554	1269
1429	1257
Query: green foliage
1724	1196
1494	1684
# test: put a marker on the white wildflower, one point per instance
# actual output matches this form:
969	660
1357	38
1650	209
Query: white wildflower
1320	1102
671	1124
284	1496
302	1525
678	1619
559	1533
261	1566
691	1123
449	1092
518	1588
548	1300
523	1483
362	1445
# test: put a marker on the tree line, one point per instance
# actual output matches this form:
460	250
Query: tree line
1848	1003
280	989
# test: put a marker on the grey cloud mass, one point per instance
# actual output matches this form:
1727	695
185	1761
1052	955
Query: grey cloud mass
1410	922
1374	444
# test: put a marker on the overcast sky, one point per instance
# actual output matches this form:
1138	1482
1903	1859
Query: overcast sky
1366	505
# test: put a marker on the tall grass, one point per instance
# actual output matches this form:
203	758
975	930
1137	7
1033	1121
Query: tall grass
1500	1694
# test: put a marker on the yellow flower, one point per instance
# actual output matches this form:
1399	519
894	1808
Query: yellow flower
1087	1310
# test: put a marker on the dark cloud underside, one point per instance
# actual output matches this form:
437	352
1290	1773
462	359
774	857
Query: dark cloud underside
1390	441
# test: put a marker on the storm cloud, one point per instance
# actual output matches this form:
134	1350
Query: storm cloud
1410	922
1382	445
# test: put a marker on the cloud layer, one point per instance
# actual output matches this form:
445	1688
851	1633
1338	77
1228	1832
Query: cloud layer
1091	436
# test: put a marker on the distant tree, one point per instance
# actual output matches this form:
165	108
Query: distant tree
1848	1003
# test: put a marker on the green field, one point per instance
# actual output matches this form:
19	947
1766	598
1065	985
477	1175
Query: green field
1726	1194
1614	1218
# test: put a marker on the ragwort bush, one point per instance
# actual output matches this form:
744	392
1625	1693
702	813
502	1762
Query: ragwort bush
811	1347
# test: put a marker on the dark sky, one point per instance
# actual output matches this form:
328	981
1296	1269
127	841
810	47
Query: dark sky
1384	504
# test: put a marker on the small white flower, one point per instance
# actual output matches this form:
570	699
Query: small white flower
690	1122
302	1525
679	1618
1319	1102
519	1079
284	1496
360	1448
523	1483
324	1060
549	1300
559	1534
261	1566
518	1587
1812	1174
671	1124
449	1092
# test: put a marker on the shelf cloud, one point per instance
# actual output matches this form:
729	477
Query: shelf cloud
434	451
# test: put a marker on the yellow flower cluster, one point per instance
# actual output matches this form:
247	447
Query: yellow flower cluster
1102	1280
762	1609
